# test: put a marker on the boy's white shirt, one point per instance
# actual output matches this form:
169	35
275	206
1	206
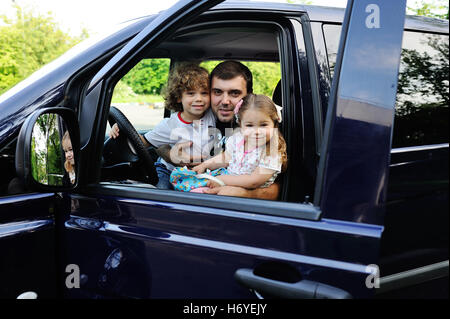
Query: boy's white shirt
172	131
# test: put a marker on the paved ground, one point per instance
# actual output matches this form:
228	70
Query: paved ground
142	116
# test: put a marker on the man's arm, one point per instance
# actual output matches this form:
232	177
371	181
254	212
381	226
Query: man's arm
144	141
164	152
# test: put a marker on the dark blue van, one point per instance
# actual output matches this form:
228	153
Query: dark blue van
363	207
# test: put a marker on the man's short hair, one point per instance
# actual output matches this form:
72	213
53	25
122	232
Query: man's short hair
230	69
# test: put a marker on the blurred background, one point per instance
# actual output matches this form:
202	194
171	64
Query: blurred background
34	33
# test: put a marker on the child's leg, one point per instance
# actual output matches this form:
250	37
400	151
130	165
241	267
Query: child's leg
163	176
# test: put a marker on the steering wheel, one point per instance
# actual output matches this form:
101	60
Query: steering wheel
137	146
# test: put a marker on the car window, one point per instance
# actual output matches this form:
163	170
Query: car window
421	114
139	94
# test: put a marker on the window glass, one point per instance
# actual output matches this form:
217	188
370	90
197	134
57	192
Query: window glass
421	114
139	94
332	34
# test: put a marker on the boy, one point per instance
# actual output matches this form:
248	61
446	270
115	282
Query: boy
187	94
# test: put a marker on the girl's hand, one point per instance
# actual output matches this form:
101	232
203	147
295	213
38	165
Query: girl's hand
114	133
199	169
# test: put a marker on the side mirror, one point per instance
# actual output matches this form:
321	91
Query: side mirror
47	150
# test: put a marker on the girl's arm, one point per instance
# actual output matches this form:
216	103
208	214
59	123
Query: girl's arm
259	176
218	161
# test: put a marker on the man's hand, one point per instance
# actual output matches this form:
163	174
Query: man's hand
114	132
199	169
180	155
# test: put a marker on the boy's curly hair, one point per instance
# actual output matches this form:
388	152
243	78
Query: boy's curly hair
185	77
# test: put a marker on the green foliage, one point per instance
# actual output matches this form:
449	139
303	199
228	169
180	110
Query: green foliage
265	75
148	76
145	82
29	42
430	8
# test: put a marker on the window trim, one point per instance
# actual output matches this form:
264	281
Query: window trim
419	148
249	205
309	48
280	208
413	277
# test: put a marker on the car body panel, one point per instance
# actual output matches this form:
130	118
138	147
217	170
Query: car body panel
188	251
27	245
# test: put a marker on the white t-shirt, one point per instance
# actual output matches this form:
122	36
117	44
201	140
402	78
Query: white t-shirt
174	130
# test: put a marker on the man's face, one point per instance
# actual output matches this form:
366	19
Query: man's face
225	94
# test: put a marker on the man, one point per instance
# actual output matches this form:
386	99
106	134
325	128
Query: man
230	82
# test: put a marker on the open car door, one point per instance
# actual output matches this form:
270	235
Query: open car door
355	156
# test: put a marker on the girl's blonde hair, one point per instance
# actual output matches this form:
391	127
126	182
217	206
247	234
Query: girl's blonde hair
266	105
185	77
66	139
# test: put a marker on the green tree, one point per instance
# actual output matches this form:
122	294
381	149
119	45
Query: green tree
430	8
148	76
28	42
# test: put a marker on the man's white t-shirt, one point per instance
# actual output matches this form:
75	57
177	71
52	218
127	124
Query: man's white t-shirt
174	130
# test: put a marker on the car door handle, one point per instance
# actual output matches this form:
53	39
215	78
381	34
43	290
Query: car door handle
303	289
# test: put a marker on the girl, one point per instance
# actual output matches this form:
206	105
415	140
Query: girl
69	164
256	154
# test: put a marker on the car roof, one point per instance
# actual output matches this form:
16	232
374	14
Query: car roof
331	14
244	42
